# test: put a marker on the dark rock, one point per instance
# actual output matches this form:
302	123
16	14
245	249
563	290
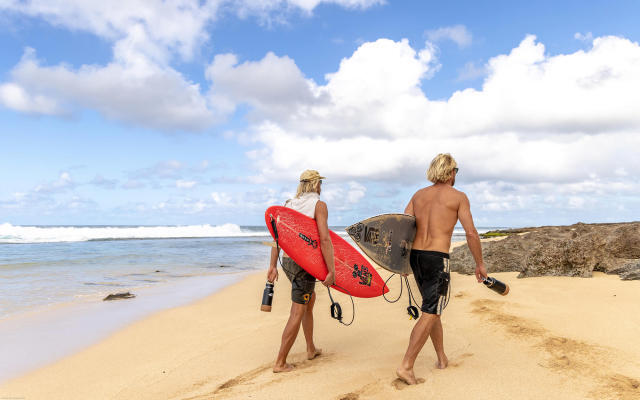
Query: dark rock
575	250
119	296
628	270
631	275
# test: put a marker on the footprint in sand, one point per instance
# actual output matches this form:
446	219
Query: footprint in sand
566	356
243	378
230	384
250	377
399	384
366	390
624	387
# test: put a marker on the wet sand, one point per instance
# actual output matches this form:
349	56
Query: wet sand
550	338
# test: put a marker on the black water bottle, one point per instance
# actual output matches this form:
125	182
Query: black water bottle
497	286
267	297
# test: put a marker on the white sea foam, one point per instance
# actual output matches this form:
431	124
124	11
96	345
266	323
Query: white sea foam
41	234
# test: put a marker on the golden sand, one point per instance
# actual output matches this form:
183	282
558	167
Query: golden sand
550	338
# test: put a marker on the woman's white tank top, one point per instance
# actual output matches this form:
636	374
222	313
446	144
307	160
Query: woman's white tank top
305	204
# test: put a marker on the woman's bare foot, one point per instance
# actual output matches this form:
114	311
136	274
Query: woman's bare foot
406	376
283	368
442	362
313	354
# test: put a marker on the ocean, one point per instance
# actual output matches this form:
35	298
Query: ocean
53	280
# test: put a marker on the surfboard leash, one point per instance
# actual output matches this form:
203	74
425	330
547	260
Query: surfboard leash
411	310
385	286
336	309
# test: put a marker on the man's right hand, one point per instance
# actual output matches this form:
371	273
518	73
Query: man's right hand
330	279
481	272
272	274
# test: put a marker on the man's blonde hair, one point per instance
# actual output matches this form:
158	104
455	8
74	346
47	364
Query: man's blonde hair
307	187
441	168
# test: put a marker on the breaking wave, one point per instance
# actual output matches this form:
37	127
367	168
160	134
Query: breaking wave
50	234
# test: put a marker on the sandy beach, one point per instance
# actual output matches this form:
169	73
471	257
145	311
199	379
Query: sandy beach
551	337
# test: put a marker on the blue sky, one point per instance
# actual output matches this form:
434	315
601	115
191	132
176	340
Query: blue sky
194	112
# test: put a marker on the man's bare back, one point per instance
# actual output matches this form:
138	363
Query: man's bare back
436	211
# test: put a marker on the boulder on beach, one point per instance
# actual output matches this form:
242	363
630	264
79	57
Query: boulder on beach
119	296
575	250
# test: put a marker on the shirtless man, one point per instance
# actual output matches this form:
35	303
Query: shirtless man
303	296
437	208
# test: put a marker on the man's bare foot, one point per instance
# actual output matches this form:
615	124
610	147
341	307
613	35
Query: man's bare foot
406	376
442	363
283	368
313	354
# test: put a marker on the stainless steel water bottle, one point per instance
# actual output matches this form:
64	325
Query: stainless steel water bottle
267	297
499	287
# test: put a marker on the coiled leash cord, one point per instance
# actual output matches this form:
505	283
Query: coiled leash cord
411	310
445	303
335	308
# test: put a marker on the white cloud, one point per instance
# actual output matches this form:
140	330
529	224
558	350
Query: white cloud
356	192
133	184
456	33
471	71
576	202
182	184
587	37
158	27
537	118
139	85
64	182
272	85
342	197
276	11
15	97
222	199
101	181
131	90
368	96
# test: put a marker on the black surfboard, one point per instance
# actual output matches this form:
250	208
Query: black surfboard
386	239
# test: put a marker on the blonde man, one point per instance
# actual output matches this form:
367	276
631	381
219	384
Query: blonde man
437	208
303	296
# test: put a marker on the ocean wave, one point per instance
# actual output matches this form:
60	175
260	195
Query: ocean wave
45	234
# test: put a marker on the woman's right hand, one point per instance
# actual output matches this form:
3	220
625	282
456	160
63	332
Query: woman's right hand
330	279
272	274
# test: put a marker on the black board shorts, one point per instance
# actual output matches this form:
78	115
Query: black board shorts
302	282
431	271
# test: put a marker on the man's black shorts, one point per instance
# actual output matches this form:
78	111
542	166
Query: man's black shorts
302	283
431	271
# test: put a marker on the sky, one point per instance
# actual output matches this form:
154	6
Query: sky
206	111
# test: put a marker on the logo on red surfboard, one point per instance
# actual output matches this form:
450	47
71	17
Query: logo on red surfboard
310	242
363	273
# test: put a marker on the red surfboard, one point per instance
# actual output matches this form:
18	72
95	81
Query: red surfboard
298	237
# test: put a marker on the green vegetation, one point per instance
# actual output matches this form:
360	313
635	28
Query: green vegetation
488	235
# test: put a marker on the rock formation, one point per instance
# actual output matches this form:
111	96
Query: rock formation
575	250
119	296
